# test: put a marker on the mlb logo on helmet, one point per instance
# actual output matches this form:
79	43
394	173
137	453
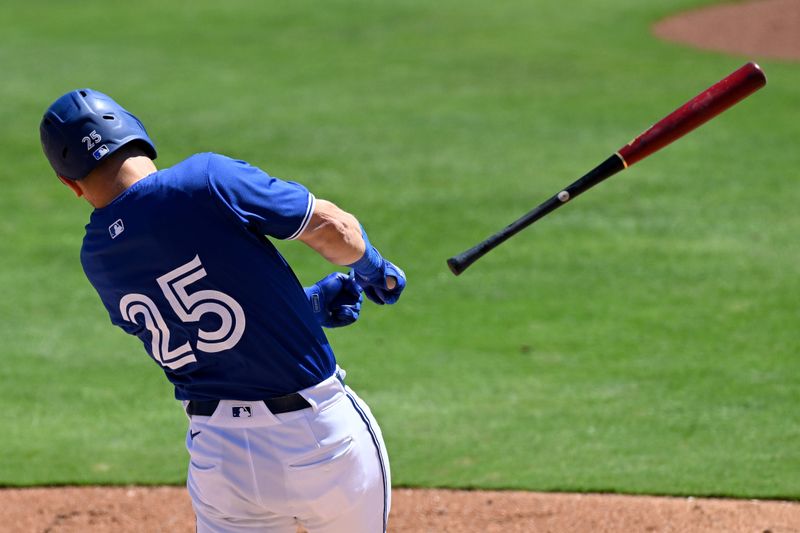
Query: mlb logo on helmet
100	152
116	228
242	412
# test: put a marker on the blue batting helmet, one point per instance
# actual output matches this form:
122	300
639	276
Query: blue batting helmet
83	127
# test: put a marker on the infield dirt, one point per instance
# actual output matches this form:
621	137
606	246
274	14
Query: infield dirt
168	509
768	29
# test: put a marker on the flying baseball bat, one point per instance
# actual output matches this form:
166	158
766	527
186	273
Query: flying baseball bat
708	104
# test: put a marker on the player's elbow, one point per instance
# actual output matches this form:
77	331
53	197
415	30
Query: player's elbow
334	233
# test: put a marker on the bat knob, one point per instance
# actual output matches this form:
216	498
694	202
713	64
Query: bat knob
456	266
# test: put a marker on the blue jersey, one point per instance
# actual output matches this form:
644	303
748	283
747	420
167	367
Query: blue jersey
182	261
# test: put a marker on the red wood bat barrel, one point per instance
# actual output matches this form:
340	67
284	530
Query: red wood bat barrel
737	86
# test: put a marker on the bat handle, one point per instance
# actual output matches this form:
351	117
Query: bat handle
459	263
462	261
607	168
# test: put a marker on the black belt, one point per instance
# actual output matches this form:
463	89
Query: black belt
281	404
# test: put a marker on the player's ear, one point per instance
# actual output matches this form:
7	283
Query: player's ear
72	185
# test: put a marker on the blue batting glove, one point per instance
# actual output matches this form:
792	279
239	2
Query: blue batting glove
335	300
373	273
379	291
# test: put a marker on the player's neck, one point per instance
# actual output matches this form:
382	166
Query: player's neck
102	189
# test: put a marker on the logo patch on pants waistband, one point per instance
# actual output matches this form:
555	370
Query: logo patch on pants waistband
242	412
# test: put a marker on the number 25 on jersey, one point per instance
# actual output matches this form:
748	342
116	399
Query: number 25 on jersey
189	307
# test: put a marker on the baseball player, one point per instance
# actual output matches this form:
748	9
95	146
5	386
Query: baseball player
182	259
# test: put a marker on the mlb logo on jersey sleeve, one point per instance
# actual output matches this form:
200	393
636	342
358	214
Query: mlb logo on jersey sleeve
116	228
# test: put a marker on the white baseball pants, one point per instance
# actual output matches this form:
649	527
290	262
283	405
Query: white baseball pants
324	468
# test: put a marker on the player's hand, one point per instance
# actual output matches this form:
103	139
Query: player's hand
335	300
385	285
381	280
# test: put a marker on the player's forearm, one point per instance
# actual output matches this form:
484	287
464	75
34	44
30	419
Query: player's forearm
334	234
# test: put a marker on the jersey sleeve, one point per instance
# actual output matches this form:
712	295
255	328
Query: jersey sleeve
280	209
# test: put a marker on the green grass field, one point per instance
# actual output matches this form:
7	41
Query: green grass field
641	340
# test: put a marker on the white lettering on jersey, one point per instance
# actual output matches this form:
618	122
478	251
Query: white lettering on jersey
138	304
189	308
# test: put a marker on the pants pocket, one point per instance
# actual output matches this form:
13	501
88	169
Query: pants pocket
324	457
337	480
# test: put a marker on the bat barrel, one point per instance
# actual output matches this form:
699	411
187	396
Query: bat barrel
735	87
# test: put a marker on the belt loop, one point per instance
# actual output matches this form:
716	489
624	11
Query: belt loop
340	374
